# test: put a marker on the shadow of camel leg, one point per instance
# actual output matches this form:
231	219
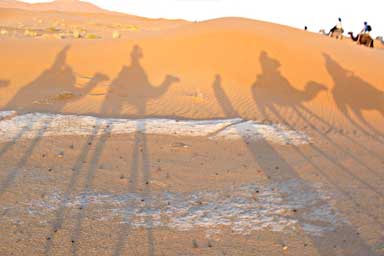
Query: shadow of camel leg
362	129
349	138
370	127
334	144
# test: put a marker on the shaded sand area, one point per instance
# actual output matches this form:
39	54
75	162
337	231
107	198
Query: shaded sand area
225	137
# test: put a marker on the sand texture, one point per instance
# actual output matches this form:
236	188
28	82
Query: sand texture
121	135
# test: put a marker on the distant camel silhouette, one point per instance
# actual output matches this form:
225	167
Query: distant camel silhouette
4	83
132	86
58	80
363	39
272	89
336	33
353	93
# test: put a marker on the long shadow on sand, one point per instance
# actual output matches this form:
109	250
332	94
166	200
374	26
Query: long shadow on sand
288	172
272	91
53	81
272	106
353	93
131	87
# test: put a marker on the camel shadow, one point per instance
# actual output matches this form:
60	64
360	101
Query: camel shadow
285	172
53	88
353	94
272	89
132	87
50	83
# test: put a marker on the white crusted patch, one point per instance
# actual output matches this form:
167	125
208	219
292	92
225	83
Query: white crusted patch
59	125
7	114
251	207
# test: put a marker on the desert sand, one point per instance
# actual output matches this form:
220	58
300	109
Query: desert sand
122	135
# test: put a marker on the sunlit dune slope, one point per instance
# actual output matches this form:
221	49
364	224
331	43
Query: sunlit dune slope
220	68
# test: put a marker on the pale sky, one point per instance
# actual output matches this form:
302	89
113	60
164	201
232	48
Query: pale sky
296	13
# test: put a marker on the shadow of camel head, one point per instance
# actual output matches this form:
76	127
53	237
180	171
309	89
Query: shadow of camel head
315	87
171	79
4	83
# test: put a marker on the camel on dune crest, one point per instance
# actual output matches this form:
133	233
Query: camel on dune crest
273	89
363	39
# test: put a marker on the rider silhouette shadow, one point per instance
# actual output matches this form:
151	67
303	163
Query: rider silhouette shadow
132	87
353	94
272	89
53	88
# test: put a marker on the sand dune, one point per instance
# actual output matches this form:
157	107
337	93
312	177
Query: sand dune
182	72
229	136
57	5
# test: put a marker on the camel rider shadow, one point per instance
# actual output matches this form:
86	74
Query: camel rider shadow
53	88
272	90
352	93
133	87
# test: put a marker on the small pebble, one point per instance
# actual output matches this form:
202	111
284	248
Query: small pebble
194	244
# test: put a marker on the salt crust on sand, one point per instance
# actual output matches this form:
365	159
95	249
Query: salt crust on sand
61	125
282	207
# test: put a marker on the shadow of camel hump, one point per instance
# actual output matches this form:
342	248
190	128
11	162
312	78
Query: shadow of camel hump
133	87
288	172
352	93
273	89
52	89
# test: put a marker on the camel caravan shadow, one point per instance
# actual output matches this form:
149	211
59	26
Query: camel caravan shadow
353	94
53	88
285	172
272	93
